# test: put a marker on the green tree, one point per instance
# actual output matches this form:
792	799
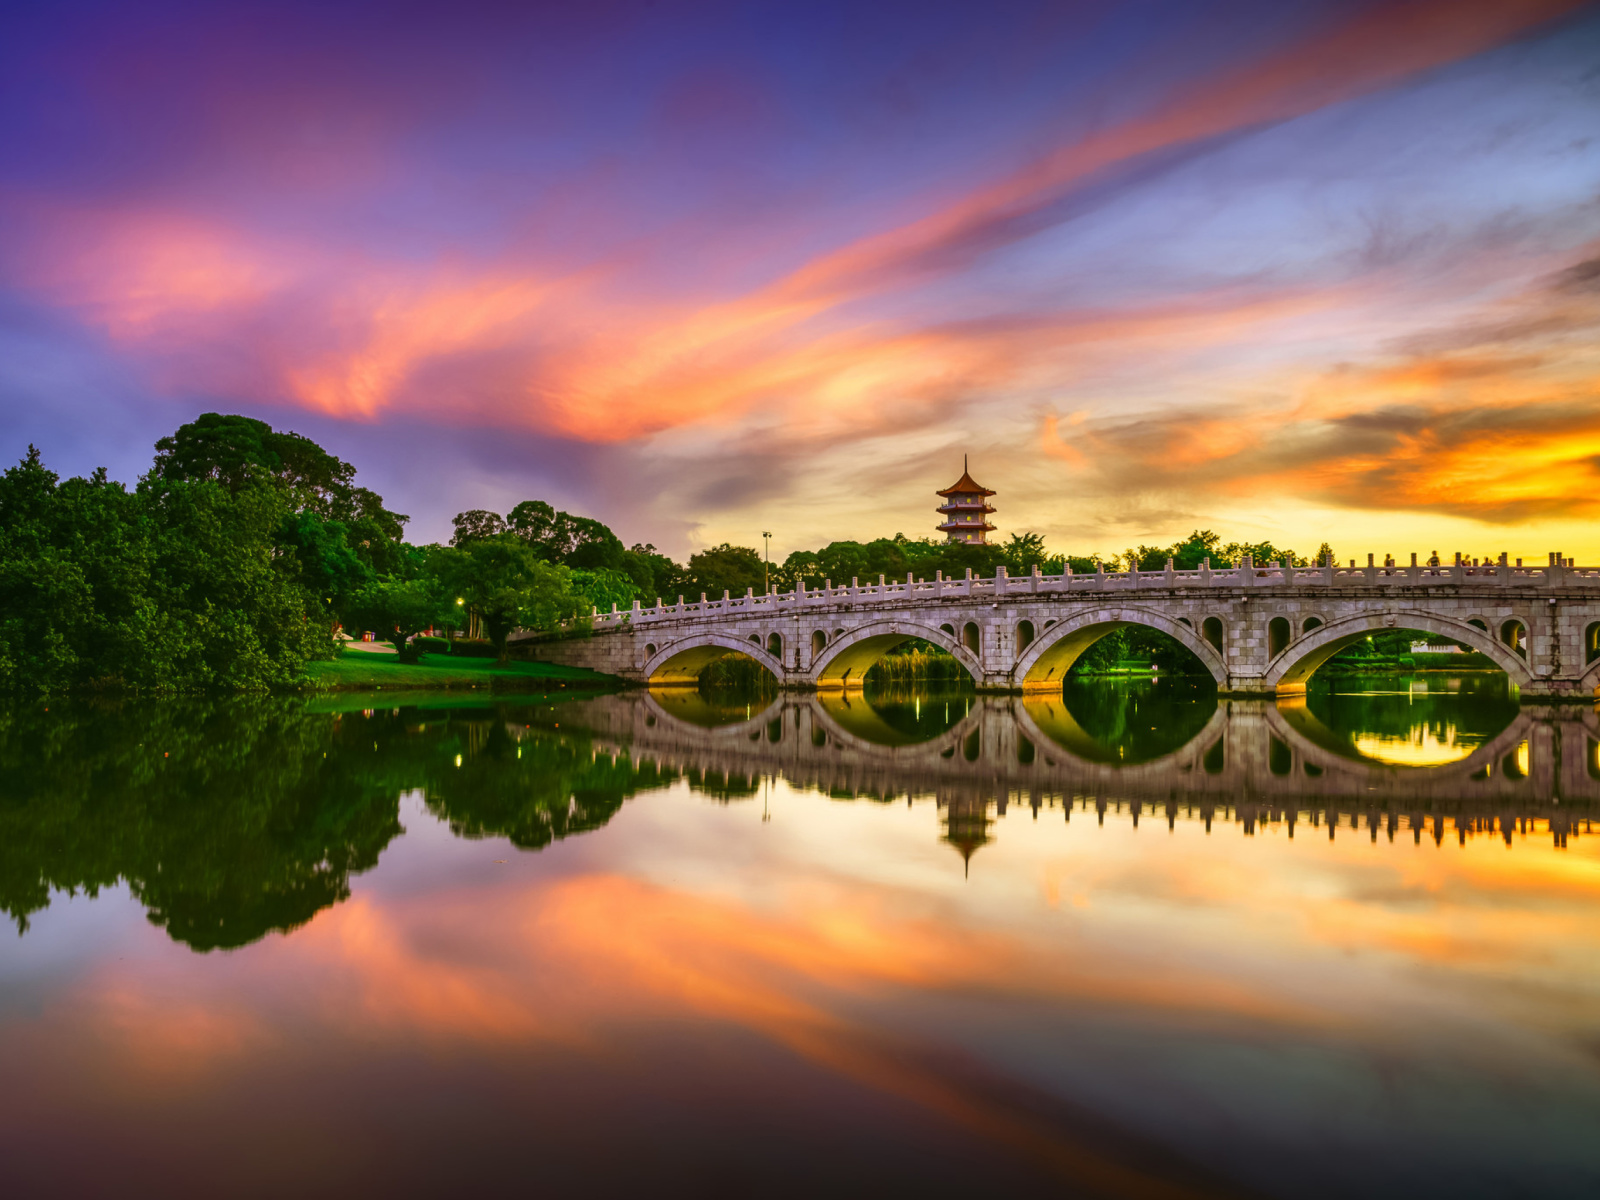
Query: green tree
602	588
654	575
400	609
476	524
725	568
508	586
1023	552
236	451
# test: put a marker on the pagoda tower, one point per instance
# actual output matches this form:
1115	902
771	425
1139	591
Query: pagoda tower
965	510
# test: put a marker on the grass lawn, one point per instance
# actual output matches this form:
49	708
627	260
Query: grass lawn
357	670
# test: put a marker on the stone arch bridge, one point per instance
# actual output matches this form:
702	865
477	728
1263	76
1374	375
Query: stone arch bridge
1259	630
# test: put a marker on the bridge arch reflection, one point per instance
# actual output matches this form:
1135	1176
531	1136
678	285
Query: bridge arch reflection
1247	752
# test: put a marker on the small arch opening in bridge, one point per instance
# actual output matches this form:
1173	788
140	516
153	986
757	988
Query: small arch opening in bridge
970	635
819	643
1025	751
756	638
1591	643
775	730
972	745
649	650
775	645
1311	623
1514	635
1516	763
1280	760
1216	759
1277	636
1024	635
1211	630
1480	623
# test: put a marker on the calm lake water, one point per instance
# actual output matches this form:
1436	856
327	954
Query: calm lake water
1126	941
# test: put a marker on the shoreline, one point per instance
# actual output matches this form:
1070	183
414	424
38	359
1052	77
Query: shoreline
365	672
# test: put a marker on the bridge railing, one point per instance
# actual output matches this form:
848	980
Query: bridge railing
1246	574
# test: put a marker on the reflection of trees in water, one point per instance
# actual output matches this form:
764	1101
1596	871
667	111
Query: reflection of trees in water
921	713
231	819
1432	716
226	819
533	789
1130	721
898	716
711	707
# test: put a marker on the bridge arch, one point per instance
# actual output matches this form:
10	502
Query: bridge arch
1288	671
848	657
1050	657
679	663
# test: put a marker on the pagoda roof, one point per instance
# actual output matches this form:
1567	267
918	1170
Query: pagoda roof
965	484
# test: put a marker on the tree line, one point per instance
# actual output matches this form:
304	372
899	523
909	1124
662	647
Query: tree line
244	550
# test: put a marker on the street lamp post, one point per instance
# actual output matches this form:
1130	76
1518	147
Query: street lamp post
766	569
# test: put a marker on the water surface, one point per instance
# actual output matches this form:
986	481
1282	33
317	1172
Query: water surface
1124	941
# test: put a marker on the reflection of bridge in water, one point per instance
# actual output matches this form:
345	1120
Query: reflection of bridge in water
1253	762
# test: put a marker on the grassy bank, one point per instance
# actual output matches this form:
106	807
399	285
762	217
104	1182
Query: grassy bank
368	671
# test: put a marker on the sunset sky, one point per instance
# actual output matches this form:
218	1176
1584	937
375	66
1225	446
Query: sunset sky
1299	271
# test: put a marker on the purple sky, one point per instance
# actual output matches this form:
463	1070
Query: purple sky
1302	271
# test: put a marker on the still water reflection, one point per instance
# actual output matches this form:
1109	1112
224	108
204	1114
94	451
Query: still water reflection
1124	941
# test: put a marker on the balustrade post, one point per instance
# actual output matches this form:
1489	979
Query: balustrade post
969	581
1000	576
1205	571
1247	571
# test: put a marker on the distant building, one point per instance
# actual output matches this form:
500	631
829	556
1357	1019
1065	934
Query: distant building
965	510
1434	648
